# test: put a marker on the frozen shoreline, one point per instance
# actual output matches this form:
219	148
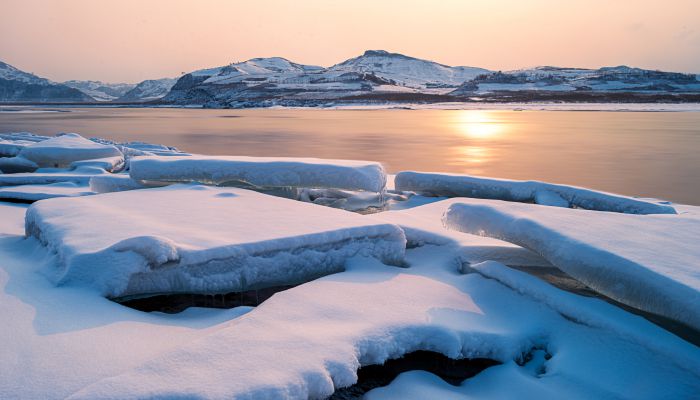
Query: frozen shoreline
353	290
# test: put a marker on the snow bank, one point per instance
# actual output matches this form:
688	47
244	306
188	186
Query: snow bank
453	185
41	192
262	171
61	151
650	262
198	239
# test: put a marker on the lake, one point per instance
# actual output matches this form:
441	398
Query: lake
649	154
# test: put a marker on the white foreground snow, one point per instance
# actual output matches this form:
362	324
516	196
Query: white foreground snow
57	340
306	341
198	239
297	346
454	185
650	262
262	171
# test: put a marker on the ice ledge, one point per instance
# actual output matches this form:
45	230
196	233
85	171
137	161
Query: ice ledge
198	239
454	185
262	171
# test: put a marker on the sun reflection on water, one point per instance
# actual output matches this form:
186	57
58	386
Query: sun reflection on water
478	130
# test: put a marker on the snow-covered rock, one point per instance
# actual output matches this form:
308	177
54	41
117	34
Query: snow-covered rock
455	185
262	171
198	239
61	151
650	262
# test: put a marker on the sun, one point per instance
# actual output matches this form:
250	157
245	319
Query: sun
477	124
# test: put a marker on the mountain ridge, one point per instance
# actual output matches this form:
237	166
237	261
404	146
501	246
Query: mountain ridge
374	76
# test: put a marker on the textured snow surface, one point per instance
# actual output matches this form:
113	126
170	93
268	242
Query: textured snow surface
295	346
56	340
454	185
198	239
650	262
263	171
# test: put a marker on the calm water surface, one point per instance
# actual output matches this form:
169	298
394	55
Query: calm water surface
653	154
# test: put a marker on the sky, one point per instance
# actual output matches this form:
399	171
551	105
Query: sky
133	40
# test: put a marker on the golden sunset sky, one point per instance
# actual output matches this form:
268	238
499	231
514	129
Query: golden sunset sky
132	40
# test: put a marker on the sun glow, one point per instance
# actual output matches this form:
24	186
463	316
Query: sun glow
477	124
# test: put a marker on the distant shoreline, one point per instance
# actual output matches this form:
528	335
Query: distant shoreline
369	106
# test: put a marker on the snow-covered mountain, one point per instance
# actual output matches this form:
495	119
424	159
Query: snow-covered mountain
408	71
263	80
101	91
275	80
19	86
148	90
620	79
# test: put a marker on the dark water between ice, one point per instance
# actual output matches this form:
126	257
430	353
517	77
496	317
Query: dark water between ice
654	154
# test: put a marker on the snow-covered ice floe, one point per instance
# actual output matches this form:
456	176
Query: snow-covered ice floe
422	226
40	192
199	239
455	185
262	171
47	176
650	262
61	151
